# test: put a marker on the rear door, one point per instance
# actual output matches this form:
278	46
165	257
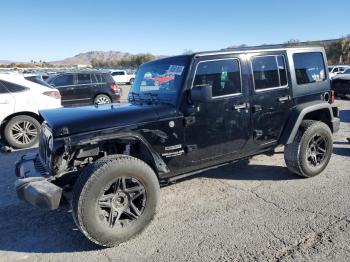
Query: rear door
83	91
7	102
65	85
271	99
221	127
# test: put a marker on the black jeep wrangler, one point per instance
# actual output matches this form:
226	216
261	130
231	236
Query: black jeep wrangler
185	114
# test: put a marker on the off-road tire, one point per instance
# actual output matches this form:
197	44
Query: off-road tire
18	121
295	154
87	189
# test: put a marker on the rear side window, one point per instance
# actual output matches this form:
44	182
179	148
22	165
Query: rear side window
309	68
100	78
269	72
14	88
63	80
2	88
84	79
121	73
223	75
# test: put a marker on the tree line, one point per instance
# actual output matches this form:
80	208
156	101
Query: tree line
338	50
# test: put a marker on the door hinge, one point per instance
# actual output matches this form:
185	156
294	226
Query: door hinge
189	120
190	148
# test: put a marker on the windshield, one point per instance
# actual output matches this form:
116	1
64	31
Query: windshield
161	79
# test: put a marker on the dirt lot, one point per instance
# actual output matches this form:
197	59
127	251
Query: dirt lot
237	213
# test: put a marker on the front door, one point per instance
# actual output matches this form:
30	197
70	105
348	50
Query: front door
271	99
219	128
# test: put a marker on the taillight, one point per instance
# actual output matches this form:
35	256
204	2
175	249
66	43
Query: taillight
115	88
54	94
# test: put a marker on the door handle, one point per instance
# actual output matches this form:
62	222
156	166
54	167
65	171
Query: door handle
4	102
240	106
283	98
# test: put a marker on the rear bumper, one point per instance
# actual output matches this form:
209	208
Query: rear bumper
33	186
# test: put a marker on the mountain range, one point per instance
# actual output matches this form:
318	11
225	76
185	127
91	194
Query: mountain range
86	58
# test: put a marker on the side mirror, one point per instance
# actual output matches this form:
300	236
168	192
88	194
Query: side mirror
201	93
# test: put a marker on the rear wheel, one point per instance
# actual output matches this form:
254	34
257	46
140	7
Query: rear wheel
102	99
311	150
114	199
22	132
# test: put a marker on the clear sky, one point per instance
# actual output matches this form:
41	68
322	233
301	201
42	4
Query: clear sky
53	30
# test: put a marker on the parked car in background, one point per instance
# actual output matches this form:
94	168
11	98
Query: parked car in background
20	101
123	77
341	83
39	79
337	69
86	88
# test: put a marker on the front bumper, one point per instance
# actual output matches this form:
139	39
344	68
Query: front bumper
34	186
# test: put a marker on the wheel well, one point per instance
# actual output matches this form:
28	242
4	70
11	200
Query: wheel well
126	146
322	115
24	113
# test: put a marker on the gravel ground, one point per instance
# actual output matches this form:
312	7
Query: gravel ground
236	213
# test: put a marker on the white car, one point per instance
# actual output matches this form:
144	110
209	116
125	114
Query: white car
20	101
337	69
122	77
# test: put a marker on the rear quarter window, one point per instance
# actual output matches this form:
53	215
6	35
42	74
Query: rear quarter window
3	90
14	88
309	68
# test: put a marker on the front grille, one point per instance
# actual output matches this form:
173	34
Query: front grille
44	149
40	167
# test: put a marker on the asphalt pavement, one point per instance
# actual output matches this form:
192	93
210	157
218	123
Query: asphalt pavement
240	212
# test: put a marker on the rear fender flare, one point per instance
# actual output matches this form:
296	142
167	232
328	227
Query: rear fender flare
297	115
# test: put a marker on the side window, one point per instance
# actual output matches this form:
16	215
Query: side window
335	70
223	75
309	68
63	80
118	73
13	88
269	71
84	79
94	78
100	78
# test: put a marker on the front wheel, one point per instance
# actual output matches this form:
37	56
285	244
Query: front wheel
114	199
311	150
131	81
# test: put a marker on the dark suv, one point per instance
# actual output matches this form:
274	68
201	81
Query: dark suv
185	114
86	88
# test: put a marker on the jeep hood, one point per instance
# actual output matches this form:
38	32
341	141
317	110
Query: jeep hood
68	121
